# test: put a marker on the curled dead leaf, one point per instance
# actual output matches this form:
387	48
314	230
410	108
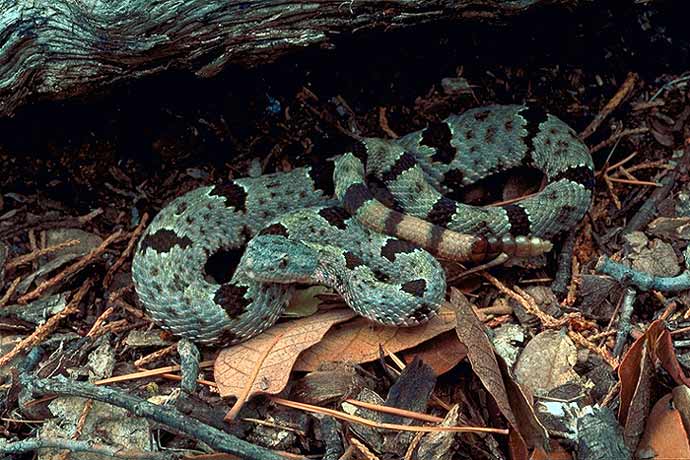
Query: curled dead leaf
358	341
263	363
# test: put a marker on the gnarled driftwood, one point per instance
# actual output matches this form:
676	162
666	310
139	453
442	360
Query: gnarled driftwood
54	49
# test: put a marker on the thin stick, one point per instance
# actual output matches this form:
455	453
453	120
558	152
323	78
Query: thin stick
385	426
72	269
616	137
108	278
33	255
395	411
634	182
623	92
49	326
147	373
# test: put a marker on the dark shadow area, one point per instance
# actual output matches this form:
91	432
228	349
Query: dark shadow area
567	61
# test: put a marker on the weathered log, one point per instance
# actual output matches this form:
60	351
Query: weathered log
55	49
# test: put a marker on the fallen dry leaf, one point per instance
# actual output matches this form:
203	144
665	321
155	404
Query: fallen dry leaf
358	341
507	394
217	456
528	425
665	435
681	401
439	445
556	452
442	353
635	374
480	353
263	363
663	350
547	362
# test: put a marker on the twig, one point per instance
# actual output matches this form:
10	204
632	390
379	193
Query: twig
601	351
612	192
33	444
571	294
624	321
662	164
10	291
364	450
607	168
395	411
156	355
147	373
564	264
108	278
72	269
165	415
33	255
668	85
85	411
98	324
634	182
512	200
616	137
46	328
384	426
649	208
648	105
44	223
609	326
601	335
383	123
611	105
644	281
527	302
612	394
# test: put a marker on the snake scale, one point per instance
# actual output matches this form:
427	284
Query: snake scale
364	224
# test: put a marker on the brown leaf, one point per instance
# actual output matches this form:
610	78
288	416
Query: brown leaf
629	374
636	380
263	364
658	340
480	353
494	375
681	401
636	372
442	353
547	362
439	445
556	452
670	228
358	341
666	354
529	427
665	434
662	132
323	387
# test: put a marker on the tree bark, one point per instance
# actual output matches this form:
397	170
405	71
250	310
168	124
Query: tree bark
55	49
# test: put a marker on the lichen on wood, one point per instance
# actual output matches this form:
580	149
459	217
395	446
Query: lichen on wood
56	49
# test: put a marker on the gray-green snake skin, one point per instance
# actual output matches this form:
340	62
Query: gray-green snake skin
364	225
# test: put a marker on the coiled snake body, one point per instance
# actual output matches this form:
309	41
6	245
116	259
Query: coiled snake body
397	201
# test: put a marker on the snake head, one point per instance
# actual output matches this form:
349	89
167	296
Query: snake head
276	259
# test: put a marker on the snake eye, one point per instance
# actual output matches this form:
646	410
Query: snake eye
283	262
